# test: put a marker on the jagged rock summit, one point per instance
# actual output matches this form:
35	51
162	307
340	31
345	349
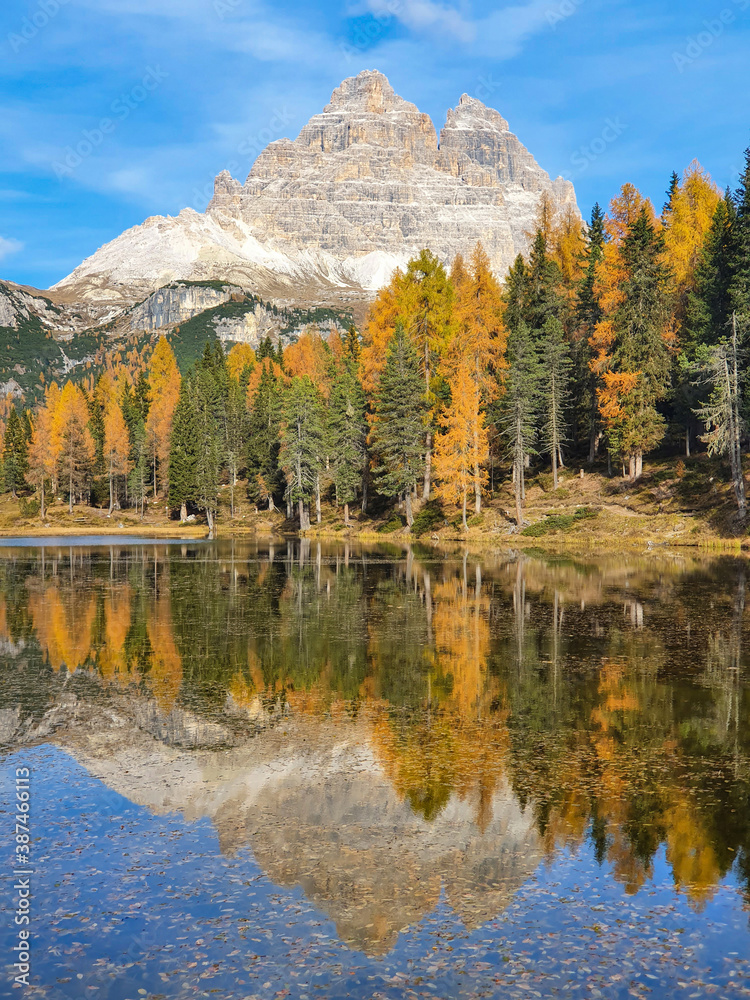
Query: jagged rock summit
364	186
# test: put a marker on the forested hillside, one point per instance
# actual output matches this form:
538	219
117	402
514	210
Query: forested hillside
608	343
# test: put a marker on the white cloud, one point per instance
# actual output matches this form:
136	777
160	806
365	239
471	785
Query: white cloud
426	17
499	34
8	247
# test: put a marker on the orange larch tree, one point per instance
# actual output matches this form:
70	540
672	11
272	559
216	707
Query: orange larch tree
480	335
686	220
116	446
76	443
164	390
462	447
310	356
42	460
241	357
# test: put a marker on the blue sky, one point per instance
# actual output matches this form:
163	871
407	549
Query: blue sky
166	93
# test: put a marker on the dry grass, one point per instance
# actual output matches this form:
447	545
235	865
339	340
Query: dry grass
687	504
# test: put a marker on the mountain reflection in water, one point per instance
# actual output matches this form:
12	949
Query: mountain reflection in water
386	728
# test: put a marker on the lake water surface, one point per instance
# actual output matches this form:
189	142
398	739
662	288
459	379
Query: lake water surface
327	771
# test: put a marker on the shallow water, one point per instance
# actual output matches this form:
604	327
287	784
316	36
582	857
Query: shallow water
331	771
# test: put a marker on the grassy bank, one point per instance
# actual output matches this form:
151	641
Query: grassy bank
678	502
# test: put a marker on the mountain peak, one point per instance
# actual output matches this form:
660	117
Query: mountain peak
369	91
363	187
471	114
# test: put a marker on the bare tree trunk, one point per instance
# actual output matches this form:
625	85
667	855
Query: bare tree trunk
687	441
409	515
318	512
111	494
466	526
518	465
554	467
427	467
304	516
477	490
346	514
735	443
428	441
70	497
519	506
270	502
183	512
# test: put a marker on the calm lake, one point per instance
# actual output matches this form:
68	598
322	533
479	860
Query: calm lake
328	771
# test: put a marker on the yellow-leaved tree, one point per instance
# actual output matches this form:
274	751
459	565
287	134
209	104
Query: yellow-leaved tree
73	438
422	300
479	334
240	358
42	461
163	392
687	219
116	445
462	447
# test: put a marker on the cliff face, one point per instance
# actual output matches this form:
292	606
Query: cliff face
364	186
174	305
368	174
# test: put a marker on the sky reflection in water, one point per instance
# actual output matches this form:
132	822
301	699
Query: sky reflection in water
346	772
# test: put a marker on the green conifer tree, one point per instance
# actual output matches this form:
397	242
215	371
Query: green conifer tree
674	187
347	433
210	401
352	343
739	286
235	432
519	408
184	449
138	477
302	444
640	347
587	314
398	432
709	308
542	288
264	475
266	350
515	294
15	454
554	392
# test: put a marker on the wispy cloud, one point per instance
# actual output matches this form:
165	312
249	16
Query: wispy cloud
9	246
426	17
499	34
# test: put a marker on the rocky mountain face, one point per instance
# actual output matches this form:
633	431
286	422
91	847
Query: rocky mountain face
318	226
177	303
43	334
365	185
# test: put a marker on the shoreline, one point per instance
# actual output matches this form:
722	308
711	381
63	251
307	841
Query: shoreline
677	505
588	541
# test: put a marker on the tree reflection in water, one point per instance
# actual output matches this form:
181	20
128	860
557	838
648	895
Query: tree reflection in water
487	710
